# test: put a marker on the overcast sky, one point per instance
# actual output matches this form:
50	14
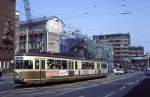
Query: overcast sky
95	17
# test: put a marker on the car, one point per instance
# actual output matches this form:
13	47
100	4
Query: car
119	71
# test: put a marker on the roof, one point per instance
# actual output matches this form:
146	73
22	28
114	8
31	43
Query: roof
127	35
136	47
57	56
40	19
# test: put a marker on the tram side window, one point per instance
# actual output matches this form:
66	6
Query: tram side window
91	65
98	65
76	65
87	65
43	64
28	64
37	63
64	64
70	65
104	65
50	64
83	65
57	64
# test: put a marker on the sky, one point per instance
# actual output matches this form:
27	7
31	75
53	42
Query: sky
96	17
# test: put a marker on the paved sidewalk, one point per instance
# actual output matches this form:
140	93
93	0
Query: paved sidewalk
6	77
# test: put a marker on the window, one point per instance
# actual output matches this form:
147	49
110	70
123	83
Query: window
83	65
64	64
58	64
76	65
50	64
104	65
28	64
19	64
98	65
24	64
70	65
43	64
87	65
37	63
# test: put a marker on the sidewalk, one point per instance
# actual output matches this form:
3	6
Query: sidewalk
7	77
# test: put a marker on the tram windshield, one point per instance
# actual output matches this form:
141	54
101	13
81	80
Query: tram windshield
24	64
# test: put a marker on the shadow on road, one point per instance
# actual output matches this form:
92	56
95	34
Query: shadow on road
141	90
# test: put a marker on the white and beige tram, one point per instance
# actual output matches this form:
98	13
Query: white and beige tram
31	69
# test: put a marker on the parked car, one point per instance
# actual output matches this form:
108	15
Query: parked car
118	71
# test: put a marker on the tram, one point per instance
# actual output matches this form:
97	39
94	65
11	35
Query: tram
34	69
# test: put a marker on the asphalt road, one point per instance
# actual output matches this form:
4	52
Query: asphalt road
128	85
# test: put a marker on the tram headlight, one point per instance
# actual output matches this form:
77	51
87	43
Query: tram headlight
17	76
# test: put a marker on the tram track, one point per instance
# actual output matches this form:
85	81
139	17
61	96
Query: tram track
57	89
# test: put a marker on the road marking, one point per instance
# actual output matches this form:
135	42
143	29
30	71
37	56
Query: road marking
132	83
81	96
123	87
65	92
110	94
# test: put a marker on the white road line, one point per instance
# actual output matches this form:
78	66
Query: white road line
110	94
81	96
65	92
123	87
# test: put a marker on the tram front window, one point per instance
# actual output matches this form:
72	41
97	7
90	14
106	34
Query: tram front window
19	64
24	64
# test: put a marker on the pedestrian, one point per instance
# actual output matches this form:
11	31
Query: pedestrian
1	72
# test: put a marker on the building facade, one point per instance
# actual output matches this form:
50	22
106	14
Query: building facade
44	35
120	44
137	58
7	32
136	51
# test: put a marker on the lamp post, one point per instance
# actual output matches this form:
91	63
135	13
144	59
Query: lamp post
122	55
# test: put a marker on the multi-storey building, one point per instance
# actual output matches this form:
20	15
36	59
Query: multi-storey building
136	51
137	58
120	44
7	32
44	35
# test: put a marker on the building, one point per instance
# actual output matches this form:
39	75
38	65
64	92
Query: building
7	32
120	43
44	35
136	51
137	58
82	47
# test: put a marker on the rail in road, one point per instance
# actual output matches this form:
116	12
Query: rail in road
107	87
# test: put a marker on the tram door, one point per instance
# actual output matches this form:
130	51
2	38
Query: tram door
40	68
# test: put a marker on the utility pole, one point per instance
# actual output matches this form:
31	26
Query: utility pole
28	18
